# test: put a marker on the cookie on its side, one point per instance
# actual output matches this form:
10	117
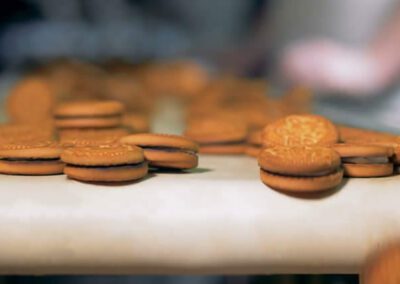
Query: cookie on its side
89	114
165	151
365	160
31	158
300	169
107	163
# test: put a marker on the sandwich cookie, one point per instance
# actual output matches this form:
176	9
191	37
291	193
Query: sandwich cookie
298	130
165	151
89	114
365	160
254	144
218	136
107	163
383	267
300	169
355	135
31	101
31	158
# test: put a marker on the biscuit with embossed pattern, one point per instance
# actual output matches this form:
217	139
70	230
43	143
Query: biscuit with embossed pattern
296	130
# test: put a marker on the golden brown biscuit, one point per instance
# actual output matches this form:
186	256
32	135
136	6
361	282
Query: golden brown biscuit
300	160
218	136
107	163
165	151
31	101
211	130
297	130
74	79
255	138
91	137
252	151
31	158
301	168
89	114
24	132
254	143
363	160
367	170
223	149
301	184
359	136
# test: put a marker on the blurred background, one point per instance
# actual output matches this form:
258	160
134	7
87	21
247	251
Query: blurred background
345	51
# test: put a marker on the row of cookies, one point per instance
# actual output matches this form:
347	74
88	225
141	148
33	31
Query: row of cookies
89	140
231	113
111	160
306	153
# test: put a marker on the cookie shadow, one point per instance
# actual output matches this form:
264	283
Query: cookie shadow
118	183
317	195
177	171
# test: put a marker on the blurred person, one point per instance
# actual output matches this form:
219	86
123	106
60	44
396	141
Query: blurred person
334	46
362	69
344	48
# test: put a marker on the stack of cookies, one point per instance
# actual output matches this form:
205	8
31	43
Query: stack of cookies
300	168
298	155
106	163
88	114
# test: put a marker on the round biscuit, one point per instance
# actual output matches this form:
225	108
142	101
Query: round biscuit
299	160
301	184
103	155
298	130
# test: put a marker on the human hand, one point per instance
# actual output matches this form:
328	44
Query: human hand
330	67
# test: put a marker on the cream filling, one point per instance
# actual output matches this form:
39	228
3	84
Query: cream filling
366	160
32	160
105	167
305	175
